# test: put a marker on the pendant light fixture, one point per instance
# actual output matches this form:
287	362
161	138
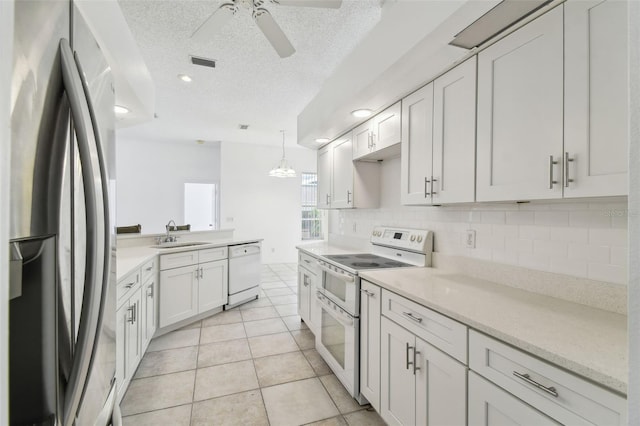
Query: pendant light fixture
282	170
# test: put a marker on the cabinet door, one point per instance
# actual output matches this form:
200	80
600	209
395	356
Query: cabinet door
417	147
454	135
596	88
315	310
304	293
122	329
324	177
179	294
149	311
370	343
134	334
520	106
342	194
441	387
212	285
386	129
490	405
362	142
397	381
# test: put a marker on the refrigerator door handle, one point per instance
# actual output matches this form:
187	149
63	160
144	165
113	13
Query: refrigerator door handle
95	233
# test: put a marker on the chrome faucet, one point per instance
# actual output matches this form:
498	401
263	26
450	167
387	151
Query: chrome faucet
169	238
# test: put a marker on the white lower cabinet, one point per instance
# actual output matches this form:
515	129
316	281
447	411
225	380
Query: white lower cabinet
370	343
308	308
178	294
212	285
188	287
490	405
149	310
129	347
419	384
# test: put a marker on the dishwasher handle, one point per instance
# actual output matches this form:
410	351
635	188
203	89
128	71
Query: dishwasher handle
244	250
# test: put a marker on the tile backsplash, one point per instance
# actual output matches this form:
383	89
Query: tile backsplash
586	239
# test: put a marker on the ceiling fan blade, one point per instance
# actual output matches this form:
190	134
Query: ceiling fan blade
328	4
215	22
273	33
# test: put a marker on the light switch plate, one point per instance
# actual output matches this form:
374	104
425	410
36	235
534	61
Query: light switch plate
470	240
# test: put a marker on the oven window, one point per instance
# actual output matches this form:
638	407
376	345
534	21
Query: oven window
333	337
335	286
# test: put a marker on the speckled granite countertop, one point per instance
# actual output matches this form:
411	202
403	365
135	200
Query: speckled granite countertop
588	341
129	258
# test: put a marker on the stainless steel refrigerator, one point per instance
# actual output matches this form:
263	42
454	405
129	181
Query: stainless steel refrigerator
62	245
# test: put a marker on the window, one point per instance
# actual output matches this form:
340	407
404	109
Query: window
201	206
311	216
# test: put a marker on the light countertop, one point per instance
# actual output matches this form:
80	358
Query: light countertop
588	341
130	258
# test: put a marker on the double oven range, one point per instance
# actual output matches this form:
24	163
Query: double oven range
338	296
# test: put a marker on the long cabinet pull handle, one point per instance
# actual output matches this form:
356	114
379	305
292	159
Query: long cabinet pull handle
327	199
567	160
407	356
551	164
426	191
433	180
368	293
412	317
129	285
548	389
415	365
348	197
131	318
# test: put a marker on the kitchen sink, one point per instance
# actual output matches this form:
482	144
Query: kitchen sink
179	244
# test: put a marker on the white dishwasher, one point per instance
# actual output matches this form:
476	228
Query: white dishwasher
244	273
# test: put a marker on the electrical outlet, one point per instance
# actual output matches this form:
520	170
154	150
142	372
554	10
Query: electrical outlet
470	241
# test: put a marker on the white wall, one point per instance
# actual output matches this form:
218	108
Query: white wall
259	206
583	239
6	52
151	176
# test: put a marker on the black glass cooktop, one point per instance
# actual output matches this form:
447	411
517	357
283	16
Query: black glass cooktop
365	261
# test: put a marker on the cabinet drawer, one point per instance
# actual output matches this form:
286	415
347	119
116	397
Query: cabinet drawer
127	285
568	398
444	333
209	255
309	262
177	260
149	269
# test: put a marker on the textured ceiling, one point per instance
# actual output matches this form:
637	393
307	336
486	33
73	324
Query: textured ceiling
251	84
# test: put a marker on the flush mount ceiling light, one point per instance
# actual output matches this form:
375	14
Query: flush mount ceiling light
120	109
361	113
323	140
185	78
282	170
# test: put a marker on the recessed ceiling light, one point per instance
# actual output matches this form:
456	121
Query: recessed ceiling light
323	140
361	113
185	78
120	109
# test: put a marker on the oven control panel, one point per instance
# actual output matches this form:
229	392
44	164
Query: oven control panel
418	240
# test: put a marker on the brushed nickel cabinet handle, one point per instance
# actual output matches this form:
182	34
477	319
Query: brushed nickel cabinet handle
415	365
548	389
426	191
131	318
567	160
551	164
408	363
412	317
348	197
433	180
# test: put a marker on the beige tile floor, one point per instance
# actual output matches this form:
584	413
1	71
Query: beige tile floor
252	365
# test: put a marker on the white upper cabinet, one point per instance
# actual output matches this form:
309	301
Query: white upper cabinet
596	87
325	166
520	113
417	147
379	137
454	135
343	183
342	193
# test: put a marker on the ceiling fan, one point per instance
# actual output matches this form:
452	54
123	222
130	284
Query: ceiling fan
262	17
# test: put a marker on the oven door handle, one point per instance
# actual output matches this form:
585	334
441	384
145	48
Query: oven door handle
343	277
343	318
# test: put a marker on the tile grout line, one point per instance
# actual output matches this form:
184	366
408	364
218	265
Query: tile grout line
195	377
